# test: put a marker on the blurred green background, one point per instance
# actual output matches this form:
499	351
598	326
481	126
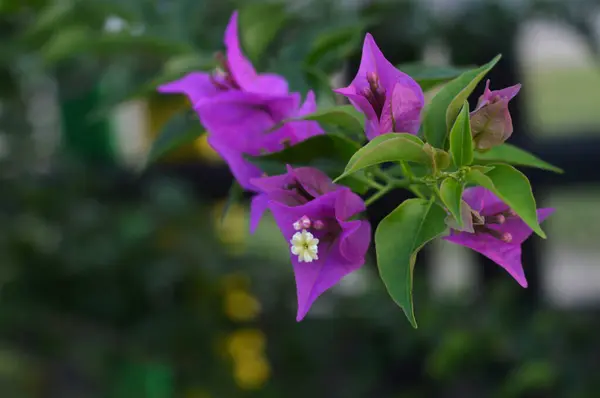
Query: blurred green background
118	283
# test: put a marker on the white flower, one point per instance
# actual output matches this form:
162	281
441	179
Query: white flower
305	246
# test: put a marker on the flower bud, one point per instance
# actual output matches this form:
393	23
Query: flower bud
318	225
491	123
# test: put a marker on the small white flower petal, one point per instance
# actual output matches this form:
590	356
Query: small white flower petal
297	238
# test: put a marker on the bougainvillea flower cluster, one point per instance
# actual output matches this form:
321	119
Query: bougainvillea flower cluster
248	114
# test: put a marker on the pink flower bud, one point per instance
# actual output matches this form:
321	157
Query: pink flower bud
497	219
491	123
506	237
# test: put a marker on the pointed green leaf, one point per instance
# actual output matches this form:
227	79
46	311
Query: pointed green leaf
510	185
233	196
429	76
341	42
483	169
78	40
461	141
176	133
344	117
451	194
259	24
398	239
445	106
392	147
511	154
321	85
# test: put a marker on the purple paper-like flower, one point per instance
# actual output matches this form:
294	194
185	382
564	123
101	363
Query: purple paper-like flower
313	215
495	231
239	124
235	73
491	123
390	99
239	108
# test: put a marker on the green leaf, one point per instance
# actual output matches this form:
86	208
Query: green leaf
399	237
461	141
319	81
391	147
176	133
513	188
78	40
136	378
483	169
328	152
451	194
511	154
341	41
49	18
344	117
457	103
259	24
428	76
446	104
233	196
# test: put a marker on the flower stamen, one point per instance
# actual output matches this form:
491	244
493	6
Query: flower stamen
375	94
497	219
222	77
303	223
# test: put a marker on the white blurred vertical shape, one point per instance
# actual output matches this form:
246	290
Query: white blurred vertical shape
44	116
547	44
435	53
570	256
130	127
3	143
571	278
40	95
452	269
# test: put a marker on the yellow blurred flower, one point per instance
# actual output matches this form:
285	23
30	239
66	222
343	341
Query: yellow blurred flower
251	369
251	372
245	341
241	306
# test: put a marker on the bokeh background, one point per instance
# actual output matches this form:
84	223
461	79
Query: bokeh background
117	279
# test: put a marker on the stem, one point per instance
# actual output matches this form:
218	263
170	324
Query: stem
410	182
417	192
382	174
406	170
401	183
378	194
369	182
411	177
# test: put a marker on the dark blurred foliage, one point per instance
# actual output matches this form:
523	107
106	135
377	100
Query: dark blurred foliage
117	286
105	294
